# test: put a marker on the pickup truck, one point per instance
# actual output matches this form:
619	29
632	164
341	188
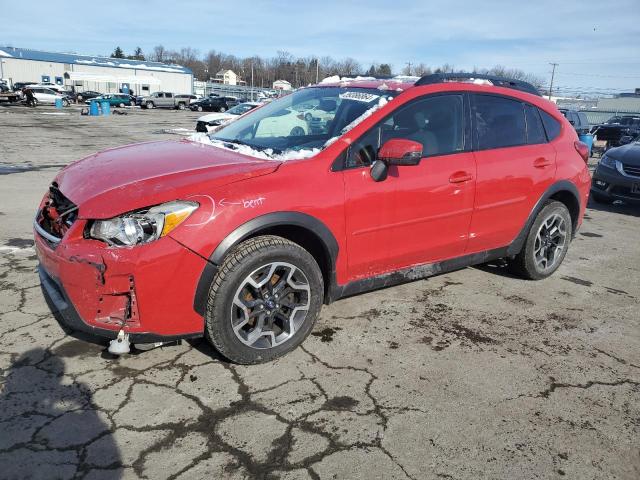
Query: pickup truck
617	127
165	100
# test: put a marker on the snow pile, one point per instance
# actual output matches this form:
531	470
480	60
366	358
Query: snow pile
4	54
140	66
266	154
337	79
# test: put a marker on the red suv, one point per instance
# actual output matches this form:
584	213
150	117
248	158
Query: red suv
243	236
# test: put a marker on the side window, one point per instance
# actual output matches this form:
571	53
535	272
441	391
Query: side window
168	95
551	125
499	122
535	130
437	122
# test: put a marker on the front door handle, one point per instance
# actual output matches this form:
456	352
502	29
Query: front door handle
542	162
460	177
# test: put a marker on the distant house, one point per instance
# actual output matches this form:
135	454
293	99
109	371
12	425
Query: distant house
281	85
228	77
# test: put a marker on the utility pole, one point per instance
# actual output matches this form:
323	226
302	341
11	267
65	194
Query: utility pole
409	68
252	80
317	69
553	73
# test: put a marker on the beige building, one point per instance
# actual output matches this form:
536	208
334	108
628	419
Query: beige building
227	77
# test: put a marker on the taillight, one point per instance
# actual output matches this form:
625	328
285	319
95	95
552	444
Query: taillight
582	149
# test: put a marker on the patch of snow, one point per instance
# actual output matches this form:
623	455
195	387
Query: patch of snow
5	54
54	113
266	154
406	78
337	79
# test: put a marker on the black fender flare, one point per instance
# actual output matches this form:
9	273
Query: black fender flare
560	186
250	228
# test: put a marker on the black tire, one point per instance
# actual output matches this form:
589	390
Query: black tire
200	108
65	103
599	198
79	98
150	105
181	106
308	117
236	267
222	109
297	132
524	264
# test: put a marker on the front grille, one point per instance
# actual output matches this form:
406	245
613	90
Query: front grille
58	213
633	170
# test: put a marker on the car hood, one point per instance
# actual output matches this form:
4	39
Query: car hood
628	154
122	179
215	116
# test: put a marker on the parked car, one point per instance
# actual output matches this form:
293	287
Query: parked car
214	104
87	95
165	100
17	86
577	119
243	240
46	96
51	86
615	128
189	98
617	175
214	121
114	99
4	87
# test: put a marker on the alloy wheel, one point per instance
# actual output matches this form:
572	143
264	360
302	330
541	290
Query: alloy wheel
550	242
270	305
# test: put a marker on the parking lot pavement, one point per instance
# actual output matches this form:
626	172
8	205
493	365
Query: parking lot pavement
469	375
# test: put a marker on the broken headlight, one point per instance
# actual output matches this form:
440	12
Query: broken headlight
142	226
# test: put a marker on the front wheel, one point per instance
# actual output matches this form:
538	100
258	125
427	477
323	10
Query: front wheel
121	105
546	244
181	106
264	300
199	108
150	105
222	109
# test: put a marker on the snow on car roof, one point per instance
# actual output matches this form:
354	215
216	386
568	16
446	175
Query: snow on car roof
398	83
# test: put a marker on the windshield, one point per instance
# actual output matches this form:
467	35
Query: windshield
240	109
304	120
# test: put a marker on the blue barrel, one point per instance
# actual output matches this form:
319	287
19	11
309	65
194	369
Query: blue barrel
58	103
93	108
106	108
587	139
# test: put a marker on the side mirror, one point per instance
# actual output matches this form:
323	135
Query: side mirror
399	151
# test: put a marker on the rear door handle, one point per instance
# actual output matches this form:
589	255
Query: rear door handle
541	162
460	177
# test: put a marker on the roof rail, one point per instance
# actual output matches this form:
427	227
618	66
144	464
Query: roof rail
495	80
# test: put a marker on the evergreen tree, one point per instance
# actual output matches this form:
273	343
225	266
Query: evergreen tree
117	53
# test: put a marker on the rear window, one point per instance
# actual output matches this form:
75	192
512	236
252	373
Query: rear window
551	125
499	122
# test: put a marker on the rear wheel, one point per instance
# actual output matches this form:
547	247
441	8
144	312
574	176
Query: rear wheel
150	105
546	244
199	108
222	109
181	106
264	300
121	105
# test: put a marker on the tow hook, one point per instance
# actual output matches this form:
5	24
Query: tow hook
121	344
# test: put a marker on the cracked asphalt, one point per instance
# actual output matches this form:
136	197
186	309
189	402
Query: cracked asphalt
469	375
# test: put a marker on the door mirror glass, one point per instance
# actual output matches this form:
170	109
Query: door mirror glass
399	151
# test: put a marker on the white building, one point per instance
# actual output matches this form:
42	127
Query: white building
85	72
281	85
228	77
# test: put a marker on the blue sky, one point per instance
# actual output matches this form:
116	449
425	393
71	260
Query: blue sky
595	42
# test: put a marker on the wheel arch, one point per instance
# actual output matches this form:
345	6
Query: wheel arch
563	191
303	229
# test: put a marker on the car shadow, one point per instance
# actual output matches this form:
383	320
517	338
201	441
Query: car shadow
618	207
47	421
497	267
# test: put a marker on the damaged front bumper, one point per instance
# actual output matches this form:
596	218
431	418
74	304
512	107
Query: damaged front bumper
146	290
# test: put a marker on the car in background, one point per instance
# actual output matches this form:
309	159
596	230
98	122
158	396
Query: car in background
46	96
214	104
165	100
577	119
189	98
87	95
617	175
613	130
20	85
115	99
214	121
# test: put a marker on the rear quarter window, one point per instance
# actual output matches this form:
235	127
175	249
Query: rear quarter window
535	129
551	125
